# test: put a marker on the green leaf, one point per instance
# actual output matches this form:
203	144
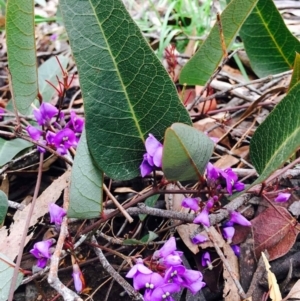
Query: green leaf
149	237
48	71
21	54
144	240
150	202
3	206
278	136
6	273
201	66
186	153
10	148
296	72
269	44
86	194
127	93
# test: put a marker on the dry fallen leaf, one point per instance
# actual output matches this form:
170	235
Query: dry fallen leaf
10	244
230	291
294	292
274	230
274	290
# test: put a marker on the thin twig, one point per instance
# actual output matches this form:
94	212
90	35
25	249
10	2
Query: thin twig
119	279
226	264
53	280
117	204
24	235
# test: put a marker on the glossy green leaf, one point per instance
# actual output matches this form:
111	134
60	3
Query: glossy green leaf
6	273
48	71
21	52
86	192
3	206
150	202
186	153
278	136
296	72
10	148
201	66
127	93
269	44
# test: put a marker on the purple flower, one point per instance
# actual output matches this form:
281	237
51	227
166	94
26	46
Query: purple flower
193	280
41	251
282	197
153	157
203	217
76	123
44	114
212	172
147	281
231	180
78	278
56	214
168	248
206	261
191	203
139	267
199	238
236	249
237	218
63	140
37	135
163	292
228	233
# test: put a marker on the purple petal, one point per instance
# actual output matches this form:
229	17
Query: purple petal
42	262
138	267
191	203
202	218
157	158
48	110
50	137
145	167
199	238
33	132
77	278
41	248
228	233
239	186
237	218
166	249
205	260
282	197
171	260
212	172
63	140
163	292
193	281
236	249
148	281
152	144
56	214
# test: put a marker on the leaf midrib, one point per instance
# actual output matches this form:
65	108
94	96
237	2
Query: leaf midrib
119	75
272	37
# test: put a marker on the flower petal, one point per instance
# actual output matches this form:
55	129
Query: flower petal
191	203
152	144
282	197
237	218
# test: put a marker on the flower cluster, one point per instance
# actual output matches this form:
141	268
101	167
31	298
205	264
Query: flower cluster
153	157
169	276
217	181
55	132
